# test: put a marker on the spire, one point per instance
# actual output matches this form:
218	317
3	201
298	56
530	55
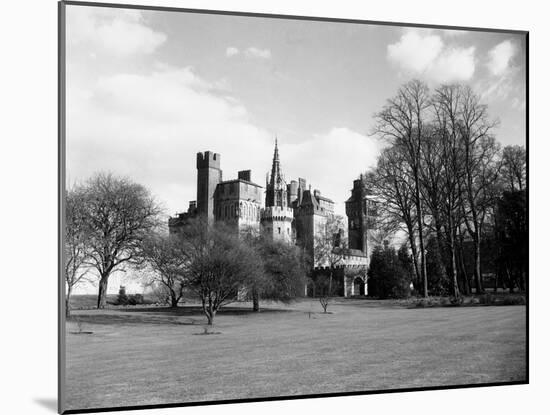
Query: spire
276	166
276	189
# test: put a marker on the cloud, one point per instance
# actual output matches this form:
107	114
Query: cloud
330	161
500	57
150	126
231	51
423	53
258	53
116	32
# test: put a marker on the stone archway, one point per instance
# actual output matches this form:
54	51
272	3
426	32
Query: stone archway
358	286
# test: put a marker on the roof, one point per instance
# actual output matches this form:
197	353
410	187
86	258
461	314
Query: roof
239	180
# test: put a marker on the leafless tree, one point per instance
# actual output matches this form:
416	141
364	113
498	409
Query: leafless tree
163	254
220	264
480	168
77	255
514	168
327	255
403	122
118	214
393	183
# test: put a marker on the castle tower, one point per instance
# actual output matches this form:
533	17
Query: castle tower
361	209
209	175
277	216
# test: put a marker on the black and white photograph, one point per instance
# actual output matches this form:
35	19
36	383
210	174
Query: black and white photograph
259	207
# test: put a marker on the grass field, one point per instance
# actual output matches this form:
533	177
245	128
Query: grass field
146	355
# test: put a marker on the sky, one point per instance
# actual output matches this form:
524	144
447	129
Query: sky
147	90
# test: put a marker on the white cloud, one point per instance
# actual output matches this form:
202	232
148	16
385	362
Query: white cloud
150	127
116	32
258	53
423	53
416	50
456	64
231	51
500	57
330	161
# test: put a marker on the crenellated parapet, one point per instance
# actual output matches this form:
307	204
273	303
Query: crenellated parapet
277	213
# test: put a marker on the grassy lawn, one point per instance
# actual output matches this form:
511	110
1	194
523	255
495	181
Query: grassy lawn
140	355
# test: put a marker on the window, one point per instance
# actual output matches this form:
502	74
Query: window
279	230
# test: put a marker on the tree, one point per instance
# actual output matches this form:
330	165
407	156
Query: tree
514	168
480	168
284	272
512	237
403	123
219	264
392	182
77	256
118	214
388	274
327	255
163	254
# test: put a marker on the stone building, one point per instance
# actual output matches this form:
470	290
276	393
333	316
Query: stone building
289	212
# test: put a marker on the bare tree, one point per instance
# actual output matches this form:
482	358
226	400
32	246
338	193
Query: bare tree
327	255
403	123
163	254
393	183
514	168
77	255
118	214
480	168
220	264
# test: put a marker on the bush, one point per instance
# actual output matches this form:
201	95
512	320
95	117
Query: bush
514	300
135	299
122	298
486	299
388	276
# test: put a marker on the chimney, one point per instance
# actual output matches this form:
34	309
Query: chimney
244	175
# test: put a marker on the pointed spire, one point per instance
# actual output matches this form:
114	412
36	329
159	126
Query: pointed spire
276	152
276	189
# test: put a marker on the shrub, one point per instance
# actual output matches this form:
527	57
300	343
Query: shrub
456	301
122	298
388	276
486	299
514	300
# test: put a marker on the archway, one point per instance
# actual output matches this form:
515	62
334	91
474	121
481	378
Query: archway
358	286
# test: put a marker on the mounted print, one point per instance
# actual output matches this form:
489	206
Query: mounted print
258	207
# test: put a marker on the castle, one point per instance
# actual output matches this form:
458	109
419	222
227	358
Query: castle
287	212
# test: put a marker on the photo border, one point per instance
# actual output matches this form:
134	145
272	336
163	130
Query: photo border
61	201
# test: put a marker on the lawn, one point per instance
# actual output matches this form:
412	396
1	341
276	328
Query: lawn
146	355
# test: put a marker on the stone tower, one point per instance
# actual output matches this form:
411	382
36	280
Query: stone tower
358	208
209	175
277	216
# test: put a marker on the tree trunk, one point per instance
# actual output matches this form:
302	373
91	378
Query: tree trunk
174	301
68	303
477	260
255	301
102	296
420	220
417	276
467	288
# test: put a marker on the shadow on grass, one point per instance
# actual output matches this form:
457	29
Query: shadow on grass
187	316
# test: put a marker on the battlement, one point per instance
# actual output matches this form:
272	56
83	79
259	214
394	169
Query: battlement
277	213
208	159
